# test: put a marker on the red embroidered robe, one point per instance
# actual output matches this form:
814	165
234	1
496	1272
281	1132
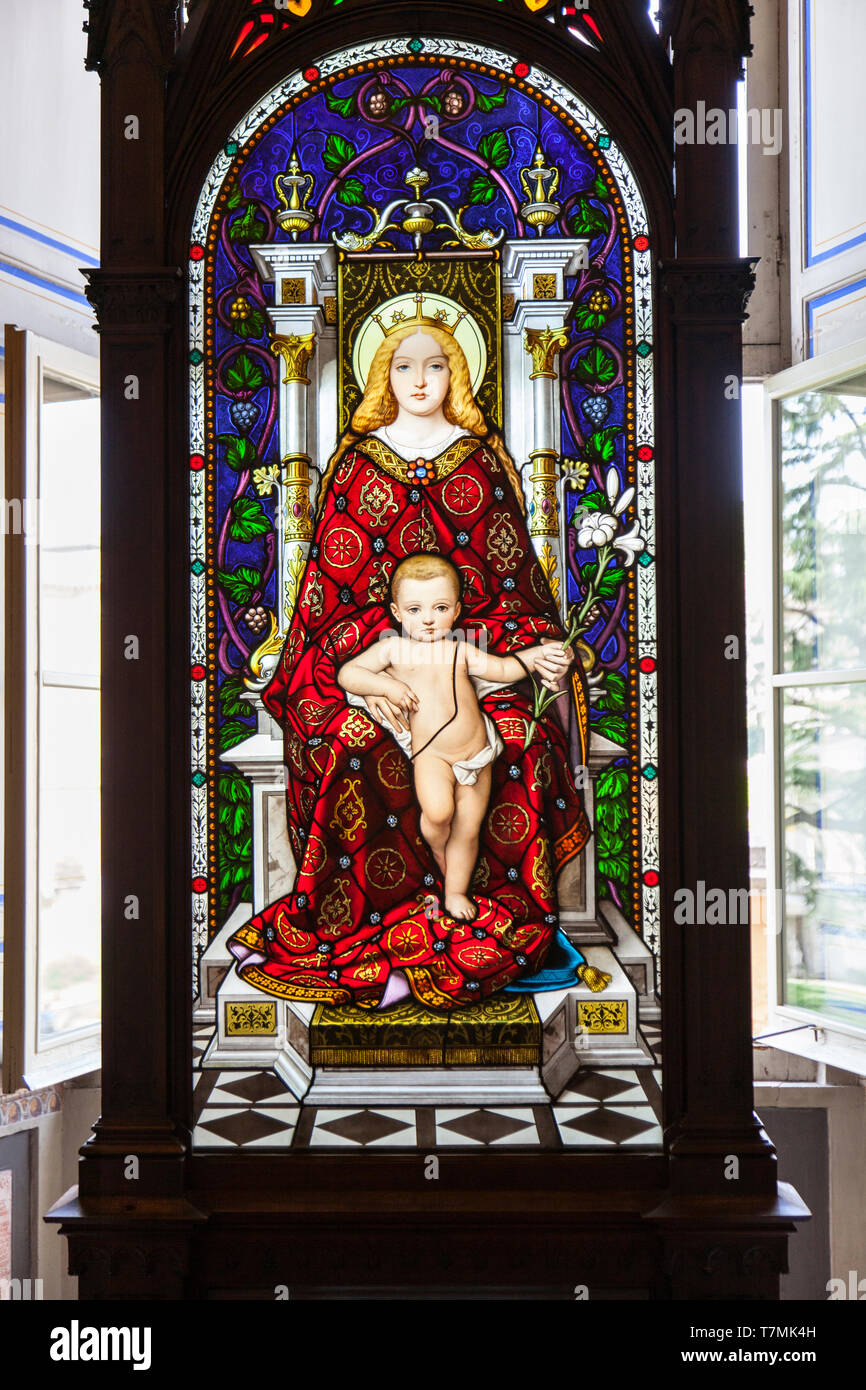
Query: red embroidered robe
364	897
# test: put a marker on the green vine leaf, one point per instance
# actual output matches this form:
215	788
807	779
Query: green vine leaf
612	726
232	706
614	780
352	192
241	583
253	326
488	101
612	697
596	367
601	445
588	221
244	374
240	451
344	106
338	153
233	733
248	227
600	189
591	502
249	519
481	189
235	197
495	149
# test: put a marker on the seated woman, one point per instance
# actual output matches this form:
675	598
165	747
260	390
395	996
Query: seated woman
419	471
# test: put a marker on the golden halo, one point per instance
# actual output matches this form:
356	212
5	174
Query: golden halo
467	332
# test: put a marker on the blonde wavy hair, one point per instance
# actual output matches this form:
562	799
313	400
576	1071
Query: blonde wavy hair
379	405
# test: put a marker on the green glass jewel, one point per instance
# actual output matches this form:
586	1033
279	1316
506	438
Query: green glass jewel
415	45
650	772
604	142
198	779
643	349
197	567
645	558
196	357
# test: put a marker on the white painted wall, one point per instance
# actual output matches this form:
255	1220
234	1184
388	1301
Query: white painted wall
49	179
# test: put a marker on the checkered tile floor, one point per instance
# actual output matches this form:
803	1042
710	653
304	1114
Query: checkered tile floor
253	1109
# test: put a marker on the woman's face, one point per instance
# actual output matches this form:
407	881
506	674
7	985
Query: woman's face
420	375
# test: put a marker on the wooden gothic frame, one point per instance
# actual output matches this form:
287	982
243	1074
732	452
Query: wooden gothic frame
674	1223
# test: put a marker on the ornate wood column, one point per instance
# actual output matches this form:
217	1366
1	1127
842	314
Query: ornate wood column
134	1161
716	1144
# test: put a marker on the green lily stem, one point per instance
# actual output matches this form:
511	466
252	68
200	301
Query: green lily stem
542	700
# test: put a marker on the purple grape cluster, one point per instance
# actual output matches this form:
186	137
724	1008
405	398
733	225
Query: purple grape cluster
244	415
596	409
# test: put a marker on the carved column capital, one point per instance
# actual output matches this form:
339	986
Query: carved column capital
543	345
128	301
156	23
296	349
690	23
709	291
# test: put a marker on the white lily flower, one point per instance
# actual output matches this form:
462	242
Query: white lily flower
611	484
624	502
598	529
630	545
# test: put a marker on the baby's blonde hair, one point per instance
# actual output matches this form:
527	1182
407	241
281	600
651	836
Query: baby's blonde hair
423	567
379	405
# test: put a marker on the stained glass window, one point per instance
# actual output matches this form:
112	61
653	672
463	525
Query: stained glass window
459	187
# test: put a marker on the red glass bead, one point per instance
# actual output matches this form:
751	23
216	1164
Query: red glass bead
196	462
641	243
198	673
199	885
651	878
647	664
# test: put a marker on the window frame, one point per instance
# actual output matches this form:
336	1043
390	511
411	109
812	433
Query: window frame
27	1062
817	1036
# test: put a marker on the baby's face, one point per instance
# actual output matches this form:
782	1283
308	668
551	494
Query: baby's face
427	609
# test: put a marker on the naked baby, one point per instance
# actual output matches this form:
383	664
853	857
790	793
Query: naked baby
419	681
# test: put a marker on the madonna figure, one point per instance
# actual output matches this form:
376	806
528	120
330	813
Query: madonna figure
419	472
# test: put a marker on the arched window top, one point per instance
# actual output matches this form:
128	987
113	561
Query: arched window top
265	19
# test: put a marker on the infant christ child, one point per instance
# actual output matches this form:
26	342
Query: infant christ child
420	681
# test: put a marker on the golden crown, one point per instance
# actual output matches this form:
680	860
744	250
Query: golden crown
399	319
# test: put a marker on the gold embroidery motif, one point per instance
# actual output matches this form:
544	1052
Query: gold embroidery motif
376	500
357	729
336	910
508	824
502	542
443	465
418	535
380	580
543	773
541	879
314	599
481	877
386	869
349	812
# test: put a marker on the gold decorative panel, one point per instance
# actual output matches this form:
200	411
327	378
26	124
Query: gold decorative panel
502	1031
602	1015
293	292
329	304
544	286
258	1020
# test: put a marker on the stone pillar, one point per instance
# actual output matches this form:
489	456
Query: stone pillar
293	517
304	279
